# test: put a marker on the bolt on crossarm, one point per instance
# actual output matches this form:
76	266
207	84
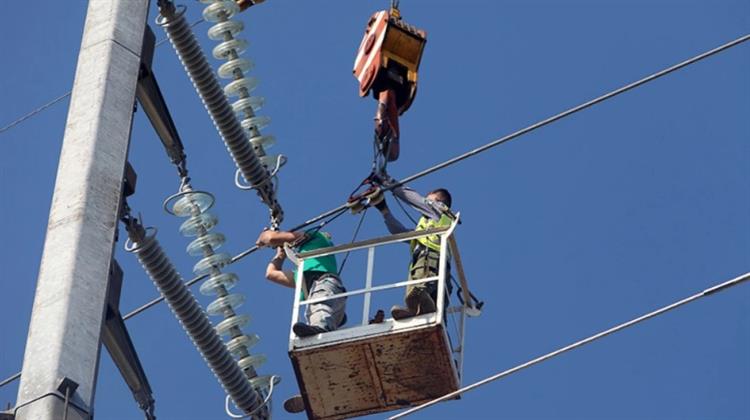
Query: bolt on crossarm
255	166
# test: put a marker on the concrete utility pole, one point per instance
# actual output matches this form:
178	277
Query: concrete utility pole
62	348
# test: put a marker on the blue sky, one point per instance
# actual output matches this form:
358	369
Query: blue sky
578	226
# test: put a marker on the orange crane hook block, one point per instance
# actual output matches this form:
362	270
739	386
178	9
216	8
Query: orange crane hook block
387	63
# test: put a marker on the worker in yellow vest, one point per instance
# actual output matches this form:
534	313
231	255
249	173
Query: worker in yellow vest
425	252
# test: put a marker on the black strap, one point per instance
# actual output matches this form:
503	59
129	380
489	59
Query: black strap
354	237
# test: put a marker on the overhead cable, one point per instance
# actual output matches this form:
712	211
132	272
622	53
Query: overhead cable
34	112
340	209
723	286
234	259
10	379
60	98
575	109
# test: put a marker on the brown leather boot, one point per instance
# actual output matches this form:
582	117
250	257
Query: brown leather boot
418	302
399	312
426	305
294	404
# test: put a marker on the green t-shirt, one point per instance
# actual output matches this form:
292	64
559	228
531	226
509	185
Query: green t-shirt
326	264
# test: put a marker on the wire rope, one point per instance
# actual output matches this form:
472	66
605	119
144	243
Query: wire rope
478	150
354	238
575	109
40	109
33	113
717	288
342	208
547	121
10	379
400	204
234	259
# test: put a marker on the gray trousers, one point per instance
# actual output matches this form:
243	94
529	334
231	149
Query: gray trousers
329	314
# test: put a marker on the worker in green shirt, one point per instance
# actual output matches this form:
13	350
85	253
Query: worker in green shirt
320	274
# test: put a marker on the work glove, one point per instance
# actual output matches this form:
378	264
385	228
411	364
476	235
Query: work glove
375	198
372	197
383	179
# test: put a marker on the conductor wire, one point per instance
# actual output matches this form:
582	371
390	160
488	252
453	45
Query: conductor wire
730	283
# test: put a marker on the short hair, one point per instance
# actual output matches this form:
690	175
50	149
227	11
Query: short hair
443	195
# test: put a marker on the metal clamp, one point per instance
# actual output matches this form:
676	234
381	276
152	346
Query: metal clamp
65	389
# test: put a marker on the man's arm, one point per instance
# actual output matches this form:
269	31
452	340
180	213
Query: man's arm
275	272
273	238
420	203
393	225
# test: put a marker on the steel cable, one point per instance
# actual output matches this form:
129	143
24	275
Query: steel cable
723	286
234	259
494	143
528	129
573	110
354	238
60	98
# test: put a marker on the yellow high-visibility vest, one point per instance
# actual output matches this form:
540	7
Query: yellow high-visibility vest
432	241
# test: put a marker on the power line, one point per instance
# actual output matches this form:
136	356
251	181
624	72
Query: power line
65	95
234	259
10	379
707	292
575	109
194	280
546	121
340	209
478	150
34	112
723	286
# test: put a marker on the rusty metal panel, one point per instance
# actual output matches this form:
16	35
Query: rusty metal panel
375	373
337	380
415	366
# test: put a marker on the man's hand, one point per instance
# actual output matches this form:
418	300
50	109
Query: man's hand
384	179
265	238
375	198
274	238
